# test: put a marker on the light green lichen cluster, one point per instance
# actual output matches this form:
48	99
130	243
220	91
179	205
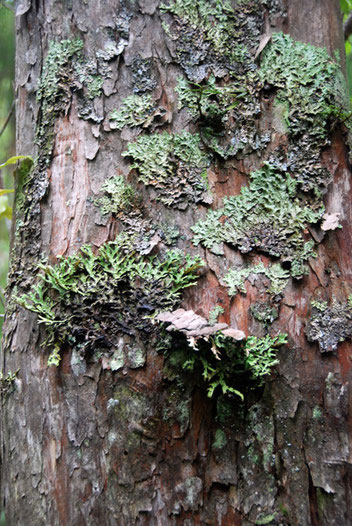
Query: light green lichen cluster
136	110
214	314
172	162
236	277
119	196
311	83
89	298
268	215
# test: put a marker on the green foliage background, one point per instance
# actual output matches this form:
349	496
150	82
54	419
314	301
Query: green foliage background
7	139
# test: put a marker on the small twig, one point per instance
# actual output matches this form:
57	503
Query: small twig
4	4
347	27
7	118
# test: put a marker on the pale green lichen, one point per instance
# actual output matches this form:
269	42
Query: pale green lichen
135	110
215	313
82	295
312	84
236	277
119	196
268	215
220	439
173	163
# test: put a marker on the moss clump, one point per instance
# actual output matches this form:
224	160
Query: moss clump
87	299
136	110
278	277
329	325
225	366
214	314
268	215
173	163
264	313
119	196
312	84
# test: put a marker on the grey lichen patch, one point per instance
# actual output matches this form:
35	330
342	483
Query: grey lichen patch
312	84
278	277
173	163
268	215
136	110
89	299
119	197
329	325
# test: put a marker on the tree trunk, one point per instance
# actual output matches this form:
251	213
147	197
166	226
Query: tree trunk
121	432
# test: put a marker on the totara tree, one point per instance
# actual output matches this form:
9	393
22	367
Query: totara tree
177	340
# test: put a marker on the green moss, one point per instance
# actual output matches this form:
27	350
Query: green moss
82	295
7	383
119	196
173	163
268	215
225	366
220	439
136	110
278	277
267	519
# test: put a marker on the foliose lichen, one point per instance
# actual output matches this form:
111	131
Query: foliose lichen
268	216
173	163
88	299
119	196
278	277
305	77
136	110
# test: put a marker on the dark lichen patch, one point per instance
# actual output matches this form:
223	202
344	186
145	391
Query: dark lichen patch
329	325
87	300
172	163
305	77
268	215
214	36
143	77
226	114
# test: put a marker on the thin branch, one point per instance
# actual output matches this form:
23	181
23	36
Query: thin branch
347	27
2	298
4	4
7	118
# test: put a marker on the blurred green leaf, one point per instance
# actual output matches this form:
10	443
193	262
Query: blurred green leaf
13	160
5	209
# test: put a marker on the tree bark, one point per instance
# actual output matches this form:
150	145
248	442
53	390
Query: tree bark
83	443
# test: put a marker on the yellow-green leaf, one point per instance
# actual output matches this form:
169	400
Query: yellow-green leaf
13	160
4	191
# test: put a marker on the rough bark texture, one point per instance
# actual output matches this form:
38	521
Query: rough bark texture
84	444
